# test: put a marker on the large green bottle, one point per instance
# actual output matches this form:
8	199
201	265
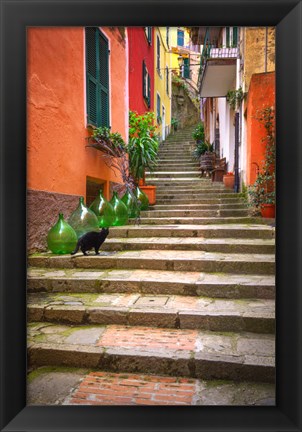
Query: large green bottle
130	201
142	197
61	238
103	210
83	219
120	211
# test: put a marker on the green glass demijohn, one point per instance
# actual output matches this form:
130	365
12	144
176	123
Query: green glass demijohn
83	219
120	211
103	210
130	202
61	238
142	197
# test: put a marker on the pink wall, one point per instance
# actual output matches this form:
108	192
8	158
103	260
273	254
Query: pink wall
58	160
139	50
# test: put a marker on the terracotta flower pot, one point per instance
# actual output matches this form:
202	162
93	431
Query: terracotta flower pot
229	181
268	210
150	191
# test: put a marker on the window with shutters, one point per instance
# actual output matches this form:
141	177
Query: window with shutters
227	37
146	85
167	80
235	36
167	37
158	55
148	32
158	112
97	77
180	38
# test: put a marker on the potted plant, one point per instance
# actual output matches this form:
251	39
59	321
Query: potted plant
198	133
229	180
262	192
142	149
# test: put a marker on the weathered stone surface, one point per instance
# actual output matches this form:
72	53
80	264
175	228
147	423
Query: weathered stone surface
188	292
216	285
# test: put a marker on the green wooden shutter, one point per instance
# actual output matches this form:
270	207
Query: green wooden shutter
144	80
235	36
227	37
97	77
149	91
103	79
91	76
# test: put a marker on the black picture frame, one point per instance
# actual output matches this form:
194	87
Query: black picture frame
16	15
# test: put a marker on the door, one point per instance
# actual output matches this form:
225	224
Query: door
163	123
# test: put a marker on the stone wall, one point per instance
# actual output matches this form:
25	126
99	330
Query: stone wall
183	109
259	52
43	209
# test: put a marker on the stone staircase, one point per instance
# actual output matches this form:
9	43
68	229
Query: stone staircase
182	304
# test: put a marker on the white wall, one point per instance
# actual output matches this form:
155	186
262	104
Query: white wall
227	132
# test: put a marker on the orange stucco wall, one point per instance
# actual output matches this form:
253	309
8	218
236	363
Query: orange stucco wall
261	94
58	160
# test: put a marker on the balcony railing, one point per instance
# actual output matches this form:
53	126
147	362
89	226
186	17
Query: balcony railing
212	52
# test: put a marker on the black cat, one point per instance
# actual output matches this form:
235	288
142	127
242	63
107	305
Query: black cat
91	240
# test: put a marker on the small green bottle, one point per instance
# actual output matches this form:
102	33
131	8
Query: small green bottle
103	210
142	197
130	201
120	211
61	238
83	219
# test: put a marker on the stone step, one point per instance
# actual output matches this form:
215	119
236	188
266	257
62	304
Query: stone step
224	199
194	213
74	386
206	206
199	261
215	193
194	220
251	231
174	160
203	313
176	169
195	181
207	245
177	352
151	282
171	174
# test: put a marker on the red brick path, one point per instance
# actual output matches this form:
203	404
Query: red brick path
146	337
102	388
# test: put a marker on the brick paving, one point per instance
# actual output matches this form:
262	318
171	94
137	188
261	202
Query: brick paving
100	388
151	338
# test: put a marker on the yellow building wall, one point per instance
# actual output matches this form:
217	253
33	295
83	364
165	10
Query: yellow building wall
160	78
173	44
258	47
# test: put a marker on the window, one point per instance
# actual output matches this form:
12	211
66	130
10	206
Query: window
97	77
180	38
167	36
235	36
158	109
158	54
146	85
148	31
167	80
186	68
227	37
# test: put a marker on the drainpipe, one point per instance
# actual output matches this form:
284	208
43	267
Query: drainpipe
265	49
237	123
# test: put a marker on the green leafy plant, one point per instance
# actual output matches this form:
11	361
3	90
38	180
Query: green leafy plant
198	133
234	98
263	190
108	142
202	148
143	144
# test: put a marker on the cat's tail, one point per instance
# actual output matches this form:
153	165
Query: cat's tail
76	249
